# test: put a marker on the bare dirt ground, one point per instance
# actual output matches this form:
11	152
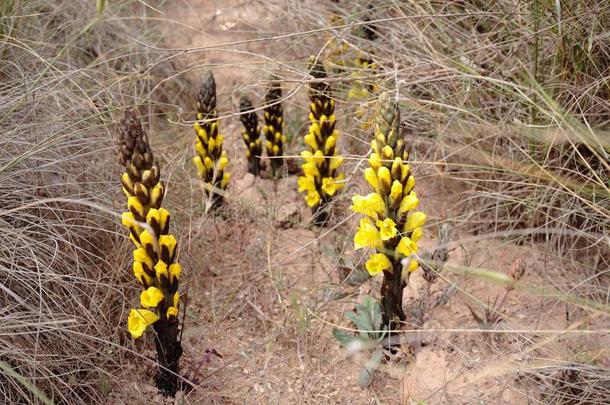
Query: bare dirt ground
265	289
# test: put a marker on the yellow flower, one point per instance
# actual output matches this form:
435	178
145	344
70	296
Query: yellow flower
171	311
208	162
140	274
307	156
396	191
310	140
313	198
127	219
306	183
174	271
406	247
139	320
387	229
416	234
335	162
410	184
161	270
135	206
385	179
415	220
330	185
378	263
199	165
223	162
147	239
330	143
371	178
408	203
387	153
211	145
168	242
413	265
225	179
151	297
371	205
367	235
375	161
161	216
318	157
200	150
310	169
140	255
276	150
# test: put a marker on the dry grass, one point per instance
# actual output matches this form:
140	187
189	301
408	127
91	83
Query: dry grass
507	111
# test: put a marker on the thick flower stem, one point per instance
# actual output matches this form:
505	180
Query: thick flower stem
169	351
391	296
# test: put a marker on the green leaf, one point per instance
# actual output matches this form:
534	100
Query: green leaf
343	337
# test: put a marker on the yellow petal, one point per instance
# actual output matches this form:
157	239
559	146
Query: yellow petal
408	203
151	297
175	270
335	162
385	179
372	205
375	161
225	180
371	178
415	220
171	311
416	234
387	229
396	191
406	247
367	235
378	263
313	198
306	183
140	255
139	320
161	270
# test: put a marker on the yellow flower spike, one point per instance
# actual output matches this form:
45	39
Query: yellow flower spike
175	270
306	183
371	177
372	205
408	203
140	255
161	270
140	274
375	161
367	235
336	162
415	220
136	207
171	311
139	320
151	297
416	234
396	192
378	263
385	179
313	198
318	157
387	229
406	246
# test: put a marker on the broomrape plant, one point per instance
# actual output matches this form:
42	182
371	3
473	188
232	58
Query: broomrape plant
274	125
210	159
250	135
154	263
321	179
390	225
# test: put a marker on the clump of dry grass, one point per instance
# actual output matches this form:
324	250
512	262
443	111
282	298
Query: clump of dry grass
63	70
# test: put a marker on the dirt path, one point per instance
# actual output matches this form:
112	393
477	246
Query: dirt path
268	289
